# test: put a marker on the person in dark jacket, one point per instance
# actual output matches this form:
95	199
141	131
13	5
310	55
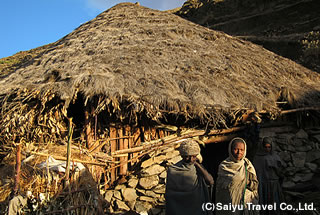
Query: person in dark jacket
188	183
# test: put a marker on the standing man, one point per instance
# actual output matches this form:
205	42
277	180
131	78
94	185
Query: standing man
188	183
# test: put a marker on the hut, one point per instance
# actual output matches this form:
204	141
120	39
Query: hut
133	81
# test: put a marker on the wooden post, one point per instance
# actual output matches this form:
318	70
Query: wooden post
88	128
126	146
69	152
153	133
137	140
121	146
218	139
113	144
17	173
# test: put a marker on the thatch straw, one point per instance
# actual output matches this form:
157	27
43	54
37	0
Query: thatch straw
142	60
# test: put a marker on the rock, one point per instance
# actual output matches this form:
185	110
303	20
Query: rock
153	170
172	154
154	160
167	150
281	141
146	199
317	162
313	155
303	148
120	186
155	211
110	209
286	138
301	134
307	177
162	199
313	131
312	166
298	142
131	204
129	194
288	184
161	189
299	159
316	138
316	180
296	178
122	206
149	182
174	160
266	132
117	195
133	182
141	191
304	177
142	206
290	171
108	195
301	177
285	156
163	174
291	148
152	194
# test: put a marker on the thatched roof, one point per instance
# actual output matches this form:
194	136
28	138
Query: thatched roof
160	62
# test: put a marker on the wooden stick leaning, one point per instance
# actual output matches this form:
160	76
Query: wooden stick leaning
173	138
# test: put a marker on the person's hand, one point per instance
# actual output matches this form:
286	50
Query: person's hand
196	163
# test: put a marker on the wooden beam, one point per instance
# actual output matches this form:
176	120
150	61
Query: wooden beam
299	109
88	128
113	145
64	159
18	167
69	153
218	139
121	147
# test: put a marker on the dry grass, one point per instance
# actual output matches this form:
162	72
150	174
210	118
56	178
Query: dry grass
137	60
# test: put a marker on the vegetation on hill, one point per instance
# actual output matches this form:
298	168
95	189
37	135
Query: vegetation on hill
278	25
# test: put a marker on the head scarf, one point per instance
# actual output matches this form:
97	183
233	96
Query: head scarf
235	140
261	151
189	147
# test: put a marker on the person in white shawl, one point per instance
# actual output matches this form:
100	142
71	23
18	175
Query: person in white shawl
237	183
187	183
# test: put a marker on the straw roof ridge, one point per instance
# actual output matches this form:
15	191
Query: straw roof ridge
162	61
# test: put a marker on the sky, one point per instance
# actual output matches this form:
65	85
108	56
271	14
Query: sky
29	24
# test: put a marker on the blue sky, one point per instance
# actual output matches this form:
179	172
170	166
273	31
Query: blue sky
29	24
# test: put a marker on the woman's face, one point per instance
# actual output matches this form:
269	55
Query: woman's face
238	150
267	147
190	159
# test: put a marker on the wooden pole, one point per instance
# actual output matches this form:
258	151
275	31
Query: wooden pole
121	147
299	109
113	144
88	129
173	138
65	159
18	167
219	139
69	152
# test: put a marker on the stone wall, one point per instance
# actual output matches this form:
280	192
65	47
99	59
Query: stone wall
143	190
300	151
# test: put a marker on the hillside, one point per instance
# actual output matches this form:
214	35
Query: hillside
278	25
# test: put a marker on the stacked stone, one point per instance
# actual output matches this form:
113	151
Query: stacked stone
299	149
143	192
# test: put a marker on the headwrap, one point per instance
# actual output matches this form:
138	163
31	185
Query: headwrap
189	147
235	140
